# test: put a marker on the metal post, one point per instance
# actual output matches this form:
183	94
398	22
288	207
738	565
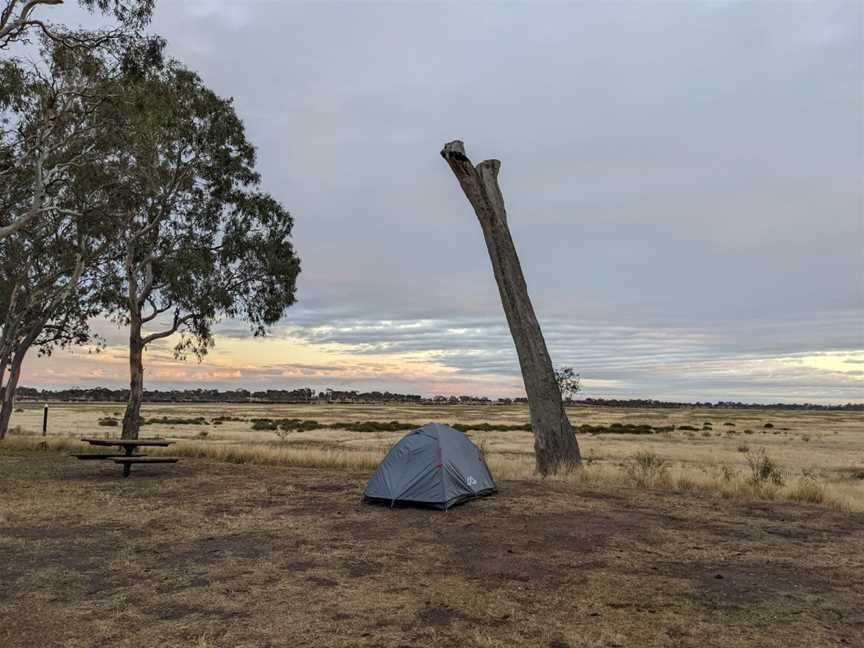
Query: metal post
45	420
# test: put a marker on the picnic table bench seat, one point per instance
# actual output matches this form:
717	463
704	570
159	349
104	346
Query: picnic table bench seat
128	461
85	456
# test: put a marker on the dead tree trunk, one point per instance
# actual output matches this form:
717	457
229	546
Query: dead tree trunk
555	445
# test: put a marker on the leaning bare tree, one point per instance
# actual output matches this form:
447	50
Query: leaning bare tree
555	443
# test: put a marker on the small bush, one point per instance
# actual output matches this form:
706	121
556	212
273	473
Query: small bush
264	424
763	469
729	424
748	432
108	422
168	420
686	427
768	426
646	469
19	409
743	448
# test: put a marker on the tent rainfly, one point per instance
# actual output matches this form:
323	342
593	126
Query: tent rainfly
435	466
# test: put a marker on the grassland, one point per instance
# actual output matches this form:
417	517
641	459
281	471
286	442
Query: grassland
258	539
820	455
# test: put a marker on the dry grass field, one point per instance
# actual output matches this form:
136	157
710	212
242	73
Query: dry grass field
258	541
819	454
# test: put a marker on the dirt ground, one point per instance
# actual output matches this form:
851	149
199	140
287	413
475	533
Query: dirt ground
211	554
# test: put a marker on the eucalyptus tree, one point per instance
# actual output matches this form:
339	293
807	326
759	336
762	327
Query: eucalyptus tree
21	19
569	383
58	201
200	241
45	294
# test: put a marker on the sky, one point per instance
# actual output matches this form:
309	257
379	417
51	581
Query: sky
683	184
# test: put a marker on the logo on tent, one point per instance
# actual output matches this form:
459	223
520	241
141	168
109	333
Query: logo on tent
471	481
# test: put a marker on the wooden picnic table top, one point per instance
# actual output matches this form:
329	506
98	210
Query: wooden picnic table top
124	443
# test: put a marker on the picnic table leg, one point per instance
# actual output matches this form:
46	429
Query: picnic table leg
127	468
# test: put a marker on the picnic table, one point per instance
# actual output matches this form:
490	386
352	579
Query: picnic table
128	457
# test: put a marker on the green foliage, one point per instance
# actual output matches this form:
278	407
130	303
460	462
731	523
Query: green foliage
763	469
622	428
687	427
170	420
569	382
201	242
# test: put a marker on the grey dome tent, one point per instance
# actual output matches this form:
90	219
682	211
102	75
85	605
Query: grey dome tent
435	466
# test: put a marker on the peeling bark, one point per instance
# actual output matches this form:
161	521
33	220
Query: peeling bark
555	445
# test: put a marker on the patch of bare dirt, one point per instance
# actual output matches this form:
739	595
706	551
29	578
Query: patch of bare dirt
258	556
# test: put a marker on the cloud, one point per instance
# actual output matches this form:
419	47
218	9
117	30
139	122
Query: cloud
682	182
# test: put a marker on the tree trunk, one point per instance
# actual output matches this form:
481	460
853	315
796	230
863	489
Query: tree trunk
9	393
132	417
14	374
555	444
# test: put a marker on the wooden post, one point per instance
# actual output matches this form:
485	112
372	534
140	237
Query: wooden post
45	420
555	445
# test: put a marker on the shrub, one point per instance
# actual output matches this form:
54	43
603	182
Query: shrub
729	424
107	421
686	427
621	428
264	424
743	448
763	469
749	432
19	409
646	469
168	420
768	426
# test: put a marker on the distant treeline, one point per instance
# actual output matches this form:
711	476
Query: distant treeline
308	395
